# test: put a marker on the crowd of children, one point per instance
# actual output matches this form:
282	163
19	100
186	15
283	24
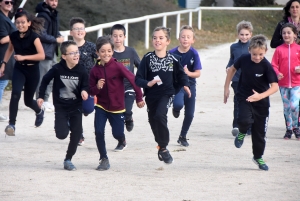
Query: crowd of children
104	71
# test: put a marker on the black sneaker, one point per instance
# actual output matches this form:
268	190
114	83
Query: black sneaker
39	118
68	165
121	146
175	113
239	140
261	164
103	164
183	141
297	133
10	130
164	155
129	125
288	134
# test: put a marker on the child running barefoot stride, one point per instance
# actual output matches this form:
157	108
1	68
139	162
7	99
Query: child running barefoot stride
161	75
286	63
257	82
28	52
106	82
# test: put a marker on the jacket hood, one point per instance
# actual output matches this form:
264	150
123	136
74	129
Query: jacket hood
63	63
43	7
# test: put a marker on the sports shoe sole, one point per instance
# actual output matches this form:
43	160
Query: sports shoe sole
118	150
179	142
235	132
10	131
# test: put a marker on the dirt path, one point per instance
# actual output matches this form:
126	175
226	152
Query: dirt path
31	163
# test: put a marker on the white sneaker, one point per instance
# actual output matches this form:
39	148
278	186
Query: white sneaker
3	118
235	131
48	107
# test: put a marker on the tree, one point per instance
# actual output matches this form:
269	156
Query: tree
250	3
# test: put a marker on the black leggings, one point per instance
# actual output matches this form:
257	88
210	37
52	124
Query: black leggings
27	77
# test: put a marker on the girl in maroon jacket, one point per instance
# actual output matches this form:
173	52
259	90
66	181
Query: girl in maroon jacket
106	82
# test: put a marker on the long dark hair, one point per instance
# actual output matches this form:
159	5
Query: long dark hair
37	24
287	7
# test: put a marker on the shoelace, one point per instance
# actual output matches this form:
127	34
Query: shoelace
260	161
241	136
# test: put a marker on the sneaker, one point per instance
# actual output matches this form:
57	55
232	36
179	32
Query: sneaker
3	118
10	130
183	141
68	165
249	132
121	146
103	164
288	134
81	141
48	107
129	125
175	113
297	133
164	155
39	118
261	164
235	131
239	140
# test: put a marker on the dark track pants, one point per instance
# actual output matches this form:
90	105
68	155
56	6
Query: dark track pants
129	100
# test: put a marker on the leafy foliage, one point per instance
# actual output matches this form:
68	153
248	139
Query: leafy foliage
250	3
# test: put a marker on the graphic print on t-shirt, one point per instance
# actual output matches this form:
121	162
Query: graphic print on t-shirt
157	64
70	83
125	62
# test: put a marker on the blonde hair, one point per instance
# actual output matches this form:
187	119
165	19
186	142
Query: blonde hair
166	30
258	41
244	25
187	27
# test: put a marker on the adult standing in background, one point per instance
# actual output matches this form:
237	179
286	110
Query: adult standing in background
291	15
6	28
47	11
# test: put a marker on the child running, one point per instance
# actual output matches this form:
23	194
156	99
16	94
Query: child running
70	86
28	52
257	82
87	51
244	33
106	82
129	58
191	61
161	75
286	63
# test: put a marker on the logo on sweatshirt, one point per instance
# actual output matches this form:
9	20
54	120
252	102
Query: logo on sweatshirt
259	75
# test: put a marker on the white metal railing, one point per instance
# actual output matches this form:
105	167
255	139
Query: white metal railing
99	28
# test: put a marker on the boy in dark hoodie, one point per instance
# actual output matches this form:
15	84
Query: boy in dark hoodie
70	87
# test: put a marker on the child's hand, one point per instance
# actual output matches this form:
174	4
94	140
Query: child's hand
280	76
40	102
19	57
255	97
186	70
226	95
2	70
84	95
100	83
153	82
187	90
140	104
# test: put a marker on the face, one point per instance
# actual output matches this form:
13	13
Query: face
6	5
244	35
186	38
22	23
288	35
105	53
257	54
118	38
72	55
52	3
160	41
78	31
295	9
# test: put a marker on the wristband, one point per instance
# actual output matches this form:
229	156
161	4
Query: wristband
3	62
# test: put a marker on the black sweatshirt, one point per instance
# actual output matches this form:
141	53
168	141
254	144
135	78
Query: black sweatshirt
67	86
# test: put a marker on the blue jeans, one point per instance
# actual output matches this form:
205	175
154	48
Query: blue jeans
116	121
3	84
181	99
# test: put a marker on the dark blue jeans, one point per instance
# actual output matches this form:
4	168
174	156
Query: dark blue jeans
234	86
181	99
116	121
129	100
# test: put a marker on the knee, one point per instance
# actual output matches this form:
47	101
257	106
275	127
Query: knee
62	134
244	123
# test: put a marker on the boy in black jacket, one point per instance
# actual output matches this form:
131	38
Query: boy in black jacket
70	87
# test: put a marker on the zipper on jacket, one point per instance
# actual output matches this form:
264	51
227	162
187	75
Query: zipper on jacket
106	82
289	58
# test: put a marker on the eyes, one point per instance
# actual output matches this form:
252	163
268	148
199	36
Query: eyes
118	36
160	37
20	22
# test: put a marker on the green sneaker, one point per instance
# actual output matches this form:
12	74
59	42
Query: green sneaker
261	164
239	140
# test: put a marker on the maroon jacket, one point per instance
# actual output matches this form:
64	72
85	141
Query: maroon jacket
111	96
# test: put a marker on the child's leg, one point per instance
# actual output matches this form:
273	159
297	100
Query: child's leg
259	129
245	117
285	96
234	86
61	125
294	102
99	123
116	121
75	120
178	101
129	100
18	81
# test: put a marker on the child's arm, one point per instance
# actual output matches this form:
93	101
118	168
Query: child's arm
7	55
35	57
230	73
94	84
84	85
258	96
275	64
231	59
45	81
136	60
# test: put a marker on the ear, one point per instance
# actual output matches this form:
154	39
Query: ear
63	56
